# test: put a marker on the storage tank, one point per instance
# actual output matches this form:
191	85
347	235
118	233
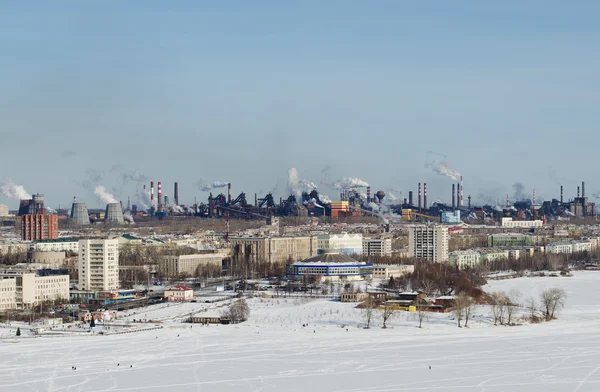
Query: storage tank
80	214
114	213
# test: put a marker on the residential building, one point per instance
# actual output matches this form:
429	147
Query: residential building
509	222
273	249
36	286
173	266
3	210
377	246
39	227
452	217
559	247
12	248
46	257
8	293
464	258
98	264
490	255
510	239
429	242
330	266
382	271
346	244
179	294
56	245
582	246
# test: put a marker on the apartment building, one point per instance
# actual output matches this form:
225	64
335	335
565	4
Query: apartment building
99	264
39	227
429	242
32	287
8	293
346	244
509	222
382	271
464	258
273	249
188	264
56	245
377	246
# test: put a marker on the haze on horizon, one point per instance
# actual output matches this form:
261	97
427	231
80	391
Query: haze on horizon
109	94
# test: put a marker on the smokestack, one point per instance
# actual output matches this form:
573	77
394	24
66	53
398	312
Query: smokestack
368	194
453	197
561	194
458	194
534	197
176	194
460	200
469	198
160	198
229	193
582	189
578	192
151	193
255	200
410	198
583	206
425	196
419	196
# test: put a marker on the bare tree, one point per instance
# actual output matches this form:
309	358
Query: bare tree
462	308
552	301
468	306
421	311
387	313
496	307
369	308
238	311
532	306
510	303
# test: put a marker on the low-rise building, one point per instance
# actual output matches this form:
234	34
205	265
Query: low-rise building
179	294
346	244
273	249
46	257
381	271
36	286
509	222
3	210
559	247
330	266
188	264
8	293
353	297
510	239
490	255
464	258
56	245
377	247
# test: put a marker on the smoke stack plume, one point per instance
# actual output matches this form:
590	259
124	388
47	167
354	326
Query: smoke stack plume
176	193
453	197
368	194
561	195
419	196
229	192
425	196
410	198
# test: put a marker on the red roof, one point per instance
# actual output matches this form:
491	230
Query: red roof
180	288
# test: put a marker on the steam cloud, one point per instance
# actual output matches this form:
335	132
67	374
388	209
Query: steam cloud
13	191
350	183
518	191
296	186
203	187
103	194
440	166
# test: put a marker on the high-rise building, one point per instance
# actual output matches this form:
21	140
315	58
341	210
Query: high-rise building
377	246
39	227
429	242
99	264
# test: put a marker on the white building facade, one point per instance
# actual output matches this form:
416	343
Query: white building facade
57	245
377	246
34	287
429	242
173	266
8	293
346	244
509	222
465	258
99	264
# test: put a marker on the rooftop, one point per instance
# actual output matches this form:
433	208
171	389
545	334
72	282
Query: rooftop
330	258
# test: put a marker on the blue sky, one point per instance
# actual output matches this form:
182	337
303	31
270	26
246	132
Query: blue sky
241	91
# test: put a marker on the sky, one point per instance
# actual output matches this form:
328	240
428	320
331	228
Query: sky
116	93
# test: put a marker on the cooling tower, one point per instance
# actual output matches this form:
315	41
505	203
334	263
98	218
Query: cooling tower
79	214
114	213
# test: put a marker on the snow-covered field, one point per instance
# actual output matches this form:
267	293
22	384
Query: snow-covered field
274	352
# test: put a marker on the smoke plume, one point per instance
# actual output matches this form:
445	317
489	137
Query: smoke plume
350	183
518	191
437	163
13	191
103	194
596	195
203	187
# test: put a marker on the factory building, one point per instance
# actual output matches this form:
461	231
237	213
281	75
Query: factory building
377	247
510	223
429	242
273	249
173	266
33	206
99	264
39	227
452	217
346	244
55	245
34	287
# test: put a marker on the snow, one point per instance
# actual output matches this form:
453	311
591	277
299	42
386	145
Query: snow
274	352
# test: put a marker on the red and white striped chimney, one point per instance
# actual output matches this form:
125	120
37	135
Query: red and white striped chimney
461	192
160	193
368	194
425	195
152	192
420	195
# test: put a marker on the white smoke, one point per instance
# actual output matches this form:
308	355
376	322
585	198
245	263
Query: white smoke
440	167
128	217
203	187
314	202
350	183
219	184
325	199
308	186
373	206
391	194
103	194
596	195
13	191
294	182
50	210
178	209
142	198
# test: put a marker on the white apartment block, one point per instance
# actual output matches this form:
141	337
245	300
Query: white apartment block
12	248
99	264
509	222
8	293
582	246
429	242
377	246
34	287
559	247
381	271
464	258
57	245
3	210
347	244
172	266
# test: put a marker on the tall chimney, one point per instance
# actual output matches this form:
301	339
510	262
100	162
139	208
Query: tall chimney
410	198
583	206
469	198
160	198
460	200
534	197
151	193
561	195
176	193
582	189
425	196
453	197
368	194
458	194
419	196
229	193
578	192
255	200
